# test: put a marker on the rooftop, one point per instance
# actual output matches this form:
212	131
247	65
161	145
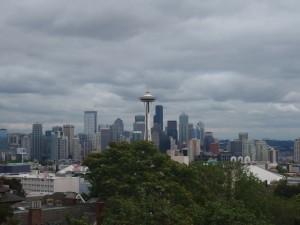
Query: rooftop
263	175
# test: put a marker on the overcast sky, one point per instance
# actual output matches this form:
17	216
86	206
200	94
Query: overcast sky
232	64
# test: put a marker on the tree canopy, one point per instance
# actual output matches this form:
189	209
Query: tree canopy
143	186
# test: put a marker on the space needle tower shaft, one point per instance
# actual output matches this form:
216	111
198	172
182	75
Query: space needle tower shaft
147	98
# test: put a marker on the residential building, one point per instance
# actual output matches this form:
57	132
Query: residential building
248	149
261	151
273	155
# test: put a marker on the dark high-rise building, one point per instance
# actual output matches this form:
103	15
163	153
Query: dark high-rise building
183	128
208	139
139	118
104	139
172	129
155	133
235	146
37	152
90	126
164	142
68	131
191	132
3	140
159	116
118	130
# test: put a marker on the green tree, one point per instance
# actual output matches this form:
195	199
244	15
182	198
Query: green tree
143	180
81	221
143	186
5	212
283	189
15	185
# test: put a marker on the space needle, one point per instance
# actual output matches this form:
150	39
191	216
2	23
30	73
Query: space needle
147	98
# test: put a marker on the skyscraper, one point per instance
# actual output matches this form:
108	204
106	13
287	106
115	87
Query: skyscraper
37	142
261	151
68	131
297	150
193	148
56	135
47	144
3	140
119	129
104	138
199	132
208	139
90	126
273	155
243	135
248	149
155	133
191	132
139	125
147	98
77	149
183	128
159	116
235	146
172	129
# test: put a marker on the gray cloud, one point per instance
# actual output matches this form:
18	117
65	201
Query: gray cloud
233	65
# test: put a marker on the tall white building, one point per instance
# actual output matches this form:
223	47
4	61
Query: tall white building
194	148
248	149
261	151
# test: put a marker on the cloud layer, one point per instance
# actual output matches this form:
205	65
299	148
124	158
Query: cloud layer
233	65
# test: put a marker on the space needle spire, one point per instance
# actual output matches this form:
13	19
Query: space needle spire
147	98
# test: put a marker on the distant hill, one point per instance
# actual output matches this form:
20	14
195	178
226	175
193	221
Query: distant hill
283	146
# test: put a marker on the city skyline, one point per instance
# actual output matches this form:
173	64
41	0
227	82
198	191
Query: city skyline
232	65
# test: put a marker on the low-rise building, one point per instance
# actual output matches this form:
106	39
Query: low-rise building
43	183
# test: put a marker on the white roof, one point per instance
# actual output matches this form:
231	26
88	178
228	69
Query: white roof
263	175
